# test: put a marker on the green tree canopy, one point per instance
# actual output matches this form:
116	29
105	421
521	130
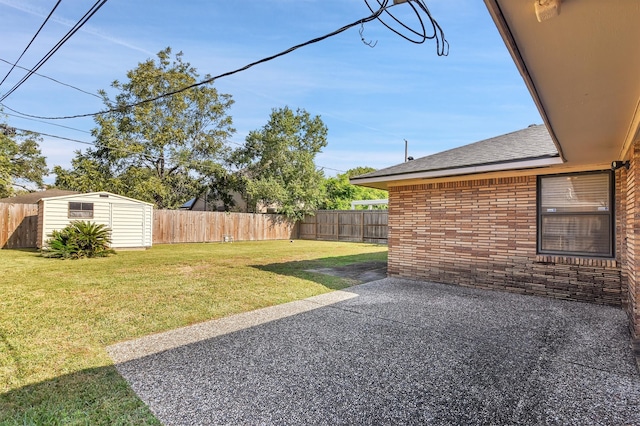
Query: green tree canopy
21	162
340	193
165	151
277	163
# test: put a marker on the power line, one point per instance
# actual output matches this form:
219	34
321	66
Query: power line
58	45
46	122
421	35
123	150
50	78
329	168
56	137
119	149
442	50
32	39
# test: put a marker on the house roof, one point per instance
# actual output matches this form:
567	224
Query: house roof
189	204
34	197
500	153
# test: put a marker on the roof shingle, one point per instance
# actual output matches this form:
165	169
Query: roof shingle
534	142
34	197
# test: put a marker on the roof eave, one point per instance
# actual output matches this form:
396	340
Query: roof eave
383	181
512	47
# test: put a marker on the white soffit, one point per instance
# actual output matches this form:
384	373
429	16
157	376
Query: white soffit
583	70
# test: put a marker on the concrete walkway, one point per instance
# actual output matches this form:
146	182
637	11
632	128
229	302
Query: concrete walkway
394	352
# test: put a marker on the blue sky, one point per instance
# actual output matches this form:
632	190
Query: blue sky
371	99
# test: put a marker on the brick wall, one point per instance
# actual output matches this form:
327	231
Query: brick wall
632	240
482	233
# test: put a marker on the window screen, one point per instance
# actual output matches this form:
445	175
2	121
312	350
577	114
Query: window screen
575	214
81	210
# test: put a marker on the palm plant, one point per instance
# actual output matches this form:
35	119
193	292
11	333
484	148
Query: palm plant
79	239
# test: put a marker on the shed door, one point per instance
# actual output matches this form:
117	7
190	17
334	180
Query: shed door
127	225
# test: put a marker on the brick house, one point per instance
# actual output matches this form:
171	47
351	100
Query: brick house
504	213
551	210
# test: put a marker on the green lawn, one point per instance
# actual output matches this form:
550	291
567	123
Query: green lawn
57	316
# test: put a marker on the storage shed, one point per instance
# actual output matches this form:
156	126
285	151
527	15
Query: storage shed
130	221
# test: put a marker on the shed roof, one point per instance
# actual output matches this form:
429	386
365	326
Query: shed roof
531	143
94	194
34	197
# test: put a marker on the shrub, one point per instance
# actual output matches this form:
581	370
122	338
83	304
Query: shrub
79	239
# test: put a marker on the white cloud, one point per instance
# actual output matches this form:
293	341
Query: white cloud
34	10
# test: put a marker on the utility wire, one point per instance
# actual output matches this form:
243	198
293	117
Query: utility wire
54	136
58	45
329	168
118	149
126	151
45	122
32	39
442	45
384	6
50	78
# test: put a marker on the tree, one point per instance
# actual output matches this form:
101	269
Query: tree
21	162
88	174
165	151
340	193
277	162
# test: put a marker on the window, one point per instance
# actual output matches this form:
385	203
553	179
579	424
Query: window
575	214
81	210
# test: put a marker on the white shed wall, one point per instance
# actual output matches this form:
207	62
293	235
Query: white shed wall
131	221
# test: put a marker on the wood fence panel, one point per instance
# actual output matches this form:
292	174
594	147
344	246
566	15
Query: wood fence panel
18	225
307	228
376	227
346	225
350	225
181	226
326	226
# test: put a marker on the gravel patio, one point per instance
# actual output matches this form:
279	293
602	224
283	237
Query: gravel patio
394	352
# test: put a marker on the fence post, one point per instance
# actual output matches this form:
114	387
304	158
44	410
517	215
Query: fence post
315	223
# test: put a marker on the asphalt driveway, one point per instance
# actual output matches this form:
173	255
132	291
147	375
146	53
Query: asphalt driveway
394	352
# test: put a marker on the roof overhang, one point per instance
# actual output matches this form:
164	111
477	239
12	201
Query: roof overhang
582	68
384	182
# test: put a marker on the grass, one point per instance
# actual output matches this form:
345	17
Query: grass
57	316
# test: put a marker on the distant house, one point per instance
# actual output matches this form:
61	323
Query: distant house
130	221
34	197
370	204
205	203
506	213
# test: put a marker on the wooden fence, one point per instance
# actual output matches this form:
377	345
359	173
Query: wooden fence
181	226
18	225
346	225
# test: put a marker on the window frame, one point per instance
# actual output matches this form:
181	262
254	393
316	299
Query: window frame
610	213
72	213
